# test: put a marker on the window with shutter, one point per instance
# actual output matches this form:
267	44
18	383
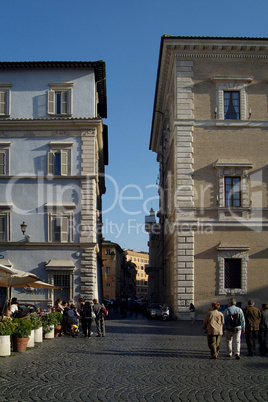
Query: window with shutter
2	163
5	99
3	103
64	163
51	102
60	228
59	162
64	229
60	99
3	228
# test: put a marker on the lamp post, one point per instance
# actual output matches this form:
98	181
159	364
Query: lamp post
23	227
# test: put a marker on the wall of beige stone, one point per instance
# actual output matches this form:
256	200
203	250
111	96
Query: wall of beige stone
206	266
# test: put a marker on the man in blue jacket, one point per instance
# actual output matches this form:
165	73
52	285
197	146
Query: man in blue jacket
233	333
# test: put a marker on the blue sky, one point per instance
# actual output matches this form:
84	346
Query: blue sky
126	35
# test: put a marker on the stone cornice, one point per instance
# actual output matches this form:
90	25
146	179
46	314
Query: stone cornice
49	124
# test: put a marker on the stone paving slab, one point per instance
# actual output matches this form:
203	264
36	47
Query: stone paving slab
138	360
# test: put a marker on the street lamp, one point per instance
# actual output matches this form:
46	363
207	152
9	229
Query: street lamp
23	227
112	255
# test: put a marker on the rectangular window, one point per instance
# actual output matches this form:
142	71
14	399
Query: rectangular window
108	270
59	158
232	191
3	228
5	99
59	162
61	229
59	100
107	251
232	105
3	103
63	281
3	164
62	104
232	274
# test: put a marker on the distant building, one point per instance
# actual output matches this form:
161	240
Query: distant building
118	275
53	152
140	259
209	132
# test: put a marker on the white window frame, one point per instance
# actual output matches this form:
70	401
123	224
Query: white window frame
6	214
65	89
5	95
64	149
238	84
4	158
229	252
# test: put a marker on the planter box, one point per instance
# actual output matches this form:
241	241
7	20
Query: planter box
50	334
31	340
38	335
5	349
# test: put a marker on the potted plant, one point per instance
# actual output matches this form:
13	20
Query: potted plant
48	322
58	321
20	335
6	328
37	327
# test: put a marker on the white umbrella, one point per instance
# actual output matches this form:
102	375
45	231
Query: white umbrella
11	277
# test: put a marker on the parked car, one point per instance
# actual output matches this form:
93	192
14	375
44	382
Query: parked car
158	310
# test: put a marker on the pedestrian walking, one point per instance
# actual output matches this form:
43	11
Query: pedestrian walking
263	330
86	319
65	317
252	318
234	324
213	326
99	319
192	313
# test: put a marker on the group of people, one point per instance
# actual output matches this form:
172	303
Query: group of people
235	321
83	313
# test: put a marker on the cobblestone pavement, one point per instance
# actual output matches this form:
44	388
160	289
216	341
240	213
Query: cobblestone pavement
138	360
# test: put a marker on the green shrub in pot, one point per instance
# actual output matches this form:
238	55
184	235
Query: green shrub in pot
6	326
21	327
57	317
35	321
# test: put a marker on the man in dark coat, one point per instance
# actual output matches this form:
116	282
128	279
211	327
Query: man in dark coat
99	319
263	330
252	318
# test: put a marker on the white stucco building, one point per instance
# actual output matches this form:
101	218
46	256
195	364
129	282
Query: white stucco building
53	151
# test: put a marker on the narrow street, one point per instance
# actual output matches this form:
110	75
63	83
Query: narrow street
138	360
